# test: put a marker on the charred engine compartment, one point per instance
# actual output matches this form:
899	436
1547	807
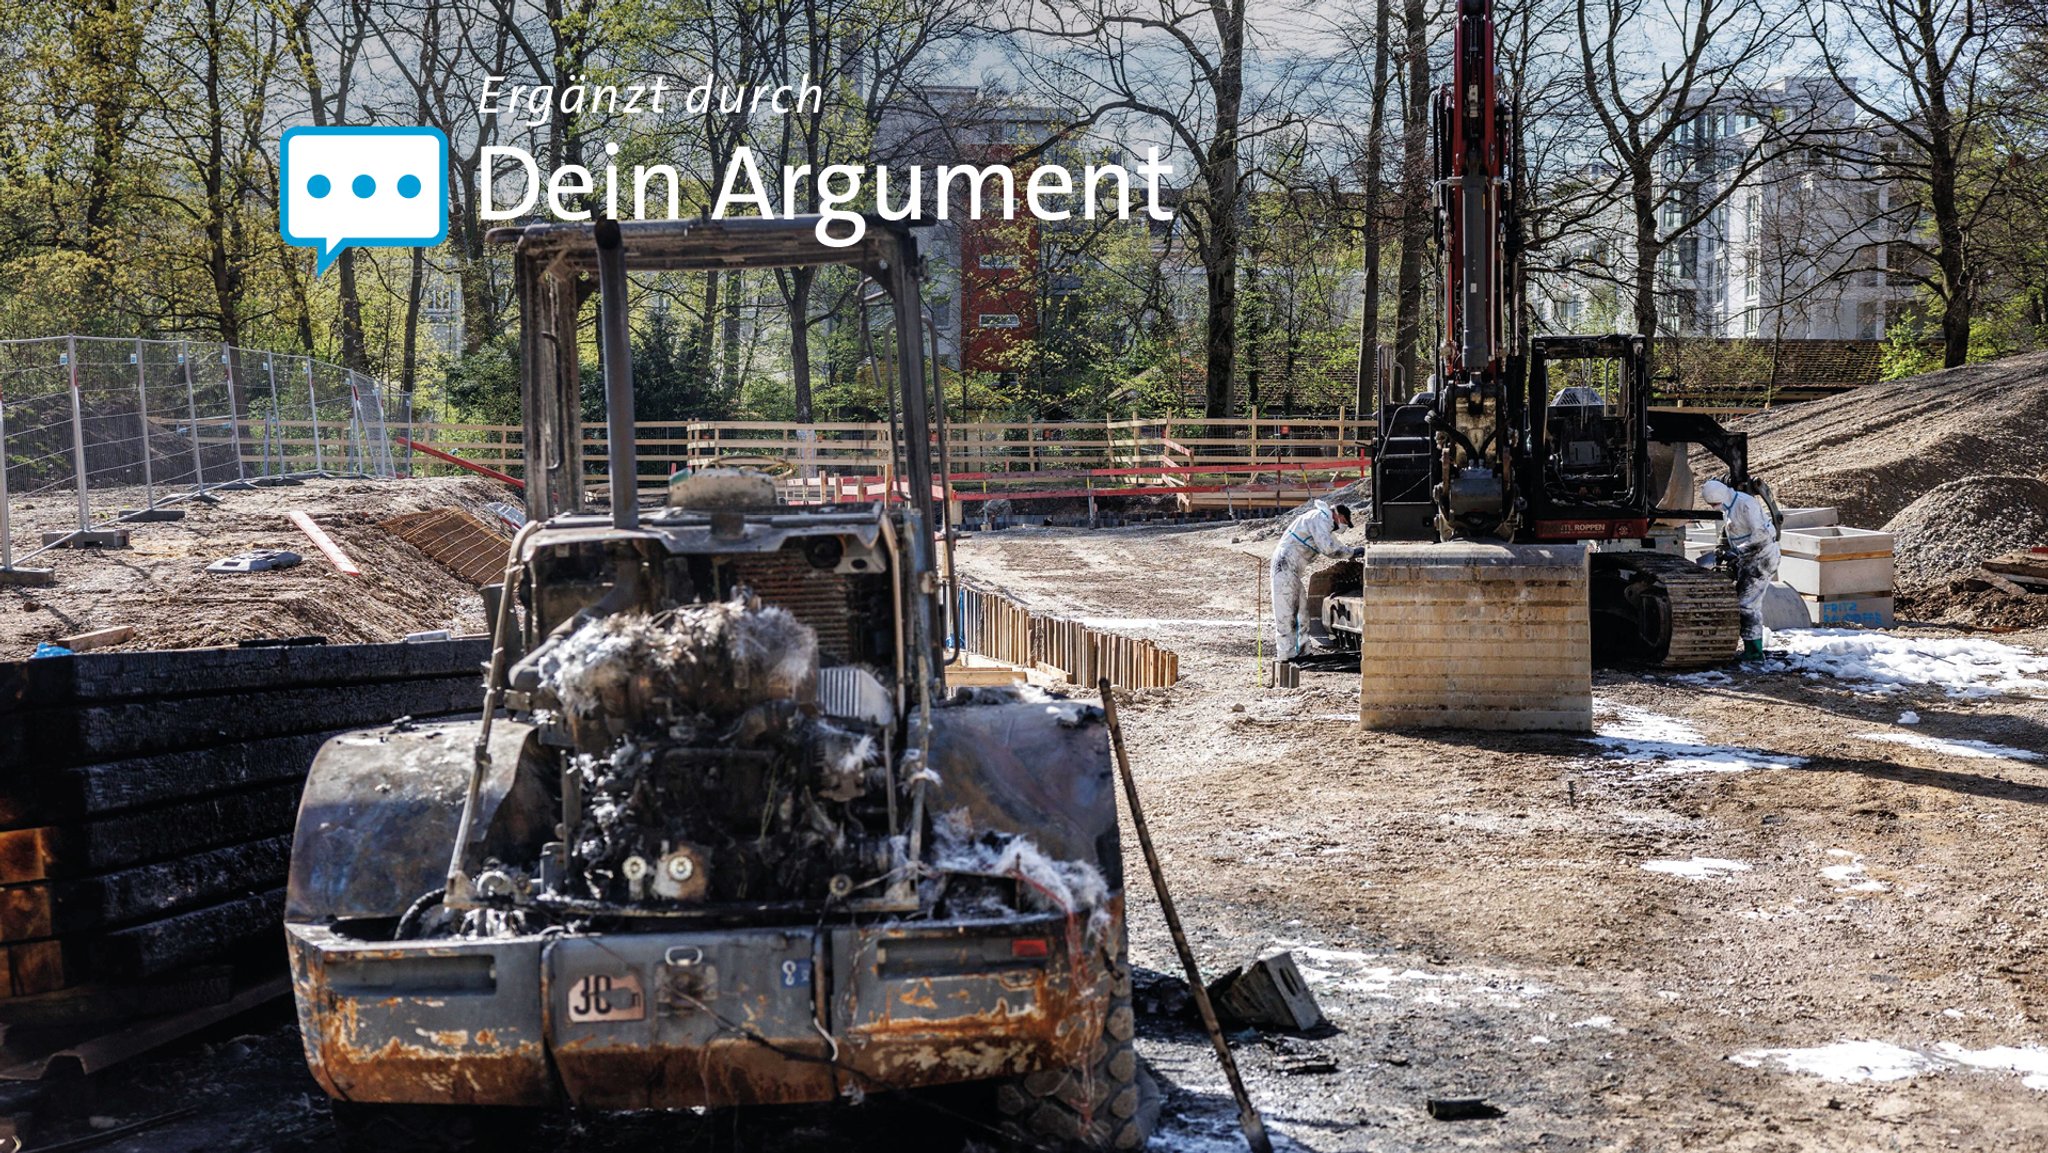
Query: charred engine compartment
698	765
702	769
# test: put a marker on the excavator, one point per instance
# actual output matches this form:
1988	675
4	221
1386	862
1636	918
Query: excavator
1530	441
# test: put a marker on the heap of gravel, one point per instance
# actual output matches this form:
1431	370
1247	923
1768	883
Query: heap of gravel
1875	450
1955	527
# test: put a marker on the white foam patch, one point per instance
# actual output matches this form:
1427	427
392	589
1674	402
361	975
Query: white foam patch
1168	622
1699	868
1846	1061
1852	1061
1669	745
1883	662
1978	750
2031	1061
1909	717
1366	975
1851	878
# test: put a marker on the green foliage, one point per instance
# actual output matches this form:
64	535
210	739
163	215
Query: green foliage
484	386
1906	353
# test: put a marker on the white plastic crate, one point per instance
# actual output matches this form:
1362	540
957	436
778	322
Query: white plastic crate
1832	562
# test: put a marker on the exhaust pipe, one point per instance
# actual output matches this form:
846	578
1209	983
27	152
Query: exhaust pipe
617	351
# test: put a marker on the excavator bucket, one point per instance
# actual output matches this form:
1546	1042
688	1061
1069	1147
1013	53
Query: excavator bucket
1470	635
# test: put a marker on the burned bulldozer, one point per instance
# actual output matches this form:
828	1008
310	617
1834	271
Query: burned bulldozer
721	836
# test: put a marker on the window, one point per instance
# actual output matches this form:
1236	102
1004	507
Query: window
1869	323
1001	261
1001	320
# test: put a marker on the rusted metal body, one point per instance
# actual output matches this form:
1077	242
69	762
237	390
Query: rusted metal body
717	1015
733	842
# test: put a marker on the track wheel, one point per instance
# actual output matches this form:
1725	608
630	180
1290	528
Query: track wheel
1111	1103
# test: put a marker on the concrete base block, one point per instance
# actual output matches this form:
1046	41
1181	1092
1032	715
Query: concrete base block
1476	636
275	481
152	515
90	538
27	577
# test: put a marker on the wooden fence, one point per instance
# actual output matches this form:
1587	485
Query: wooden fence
997	627
1244	460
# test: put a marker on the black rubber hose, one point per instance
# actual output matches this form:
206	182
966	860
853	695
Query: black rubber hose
409	924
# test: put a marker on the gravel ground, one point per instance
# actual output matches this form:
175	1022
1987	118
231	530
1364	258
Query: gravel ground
1606	938
161	586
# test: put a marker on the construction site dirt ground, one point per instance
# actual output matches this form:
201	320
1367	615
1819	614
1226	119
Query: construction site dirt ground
1474	911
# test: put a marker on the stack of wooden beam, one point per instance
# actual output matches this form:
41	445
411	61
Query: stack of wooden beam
146	814
995	626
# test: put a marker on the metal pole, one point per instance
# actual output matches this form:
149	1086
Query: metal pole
234	409
270	370
1247	1113
142	422
313	410
77	436
6	533
192	410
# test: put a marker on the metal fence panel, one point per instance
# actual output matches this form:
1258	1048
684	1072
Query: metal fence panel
95	431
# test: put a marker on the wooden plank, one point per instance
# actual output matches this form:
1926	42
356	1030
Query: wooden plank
323	542
186	938
94	733
98	677
37	967
65	795
98	638
115	842
128	896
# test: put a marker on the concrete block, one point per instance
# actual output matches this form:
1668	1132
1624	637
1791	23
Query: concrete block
1268	992
1480	636
88	538
1832	561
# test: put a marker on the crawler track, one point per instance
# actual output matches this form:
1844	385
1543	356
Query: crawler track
1684	616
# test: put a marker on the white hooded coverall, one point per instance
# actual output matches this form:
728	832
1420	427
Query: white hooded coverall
1750	536
1312	534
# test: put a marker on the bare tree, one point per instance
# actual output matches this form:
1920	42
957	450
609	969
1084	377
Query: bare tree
1687	131
1180	64
1936	60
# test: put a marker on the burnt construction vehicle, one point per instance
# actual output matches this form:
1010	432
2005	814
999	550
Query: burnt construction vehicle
1538	440
722	836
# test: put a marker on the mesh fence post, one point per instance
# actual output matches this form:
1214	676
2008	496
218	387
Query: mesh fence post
192	413
77	435
234	410
142	423
313	410
270	370
6	529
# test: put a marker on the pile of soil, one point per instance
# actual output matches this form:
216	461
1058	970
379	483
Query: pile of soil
1940	540
1872	452
1954	528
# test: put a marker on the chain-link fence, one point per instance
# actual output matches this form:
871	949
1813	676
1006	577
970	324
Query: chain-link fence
114	430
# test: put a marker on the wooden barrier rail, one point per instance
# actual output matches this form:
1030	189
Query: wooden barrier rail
994	626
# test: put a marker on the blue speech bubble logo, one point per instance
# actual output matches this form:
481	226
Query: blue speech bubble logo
367	187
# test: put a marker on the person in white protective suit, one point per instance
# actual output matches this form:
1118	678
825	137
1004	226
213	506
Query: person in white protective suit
1749	542
1312	534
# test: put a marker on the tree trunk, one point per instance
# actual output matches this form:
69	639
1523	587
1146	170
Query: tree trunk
1649	249
408	371
799	299
1416	216
1955	273
1369	399
1220	171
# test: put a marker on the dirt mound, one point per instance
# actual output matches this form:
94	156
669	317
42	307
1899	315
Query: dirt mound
1940	539
1874	451
1950	531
